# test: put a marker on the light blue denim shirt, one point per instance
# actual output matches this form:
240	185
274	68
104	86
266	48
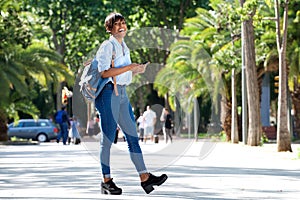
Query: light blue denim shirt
122	58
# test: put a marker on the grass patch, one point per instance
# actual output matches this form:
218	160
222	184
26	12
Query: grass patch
19	141
16	139
213	136
263	139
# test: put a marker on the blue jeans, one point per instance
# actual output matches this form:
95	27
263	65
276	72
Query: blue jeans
63	132
115	110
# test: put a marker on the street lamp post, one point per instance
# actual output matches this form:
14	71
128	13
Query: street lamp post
244	93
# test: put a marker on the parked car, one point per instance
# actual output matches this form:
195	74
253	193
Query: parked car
42	130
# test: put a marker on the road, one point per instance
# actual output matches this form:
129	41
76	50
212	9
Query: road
196	170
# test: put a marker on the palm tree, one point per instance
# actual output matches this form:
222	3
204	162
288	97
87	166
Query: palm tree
201	58
178	76
179	80
19	67
21	64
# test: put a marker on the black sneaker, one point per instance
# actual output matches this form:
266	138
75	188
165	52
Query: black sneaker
110	188
153	180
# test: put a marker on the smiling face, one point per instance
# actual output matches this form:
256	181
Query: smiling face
119	29
115	24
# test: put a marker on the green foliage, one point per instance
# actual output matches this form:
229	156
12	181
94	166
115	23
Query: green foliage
213	137
24	63
209	45
217	31
16	139
23	105
265	34
76	27
293	49
264	139
22	70
248	9
222	136
72	28
13	27
146	40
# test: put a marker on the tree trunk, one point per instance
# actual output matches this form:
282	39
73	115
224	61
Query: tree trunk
226	117
3	126
254	127
226	124
283	135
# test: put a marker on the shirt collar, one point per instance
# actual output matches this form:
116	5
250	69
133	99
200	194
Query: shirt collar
114	40
118	45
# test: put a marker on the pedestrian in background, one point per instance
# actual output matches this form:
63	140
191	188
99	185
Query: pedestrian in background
168	125
163	122
62	119
114	107
150	120
74	135
141	126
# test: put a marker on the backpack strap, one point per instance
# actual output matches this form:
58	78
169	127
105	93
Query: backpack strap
113	65
113	51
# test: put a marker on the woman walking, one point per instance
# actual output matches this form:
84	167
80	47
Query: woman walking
114	106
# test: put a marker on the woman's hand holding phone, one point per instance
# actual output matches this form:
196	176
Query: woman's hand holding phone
140	68
145	64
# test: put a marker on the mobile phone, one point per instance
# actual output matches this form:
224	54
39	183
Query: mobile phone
146	63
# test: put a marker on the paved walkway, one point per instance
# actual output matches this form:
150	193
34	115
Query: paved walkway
196	170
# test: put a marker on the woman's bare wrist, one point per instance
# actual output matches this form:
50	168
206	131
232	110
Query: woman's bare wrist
131	67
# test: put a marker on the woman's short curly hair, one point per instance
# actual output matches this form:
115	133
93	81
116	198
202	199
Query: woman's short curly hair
111	19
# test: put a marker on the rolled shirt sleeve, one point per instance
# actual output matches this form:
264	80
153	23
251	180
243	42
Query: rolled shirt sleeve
104	56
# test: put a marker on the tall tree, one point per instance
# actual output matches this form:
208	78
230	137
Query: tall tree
254	128
154	45
71	27
75	27
203	57
283	135
22	63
